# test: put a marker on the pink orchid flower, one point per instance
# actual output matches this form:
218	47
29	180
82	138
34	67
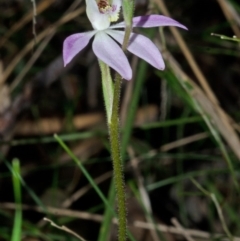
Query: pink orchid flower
101	13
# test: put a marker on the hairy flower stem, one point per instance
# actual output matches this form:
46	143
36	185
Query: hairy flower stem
112	102
114	128
128	31
114	132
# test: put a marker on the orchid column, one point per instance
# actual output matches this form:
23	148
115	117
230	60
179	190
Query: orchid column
101	13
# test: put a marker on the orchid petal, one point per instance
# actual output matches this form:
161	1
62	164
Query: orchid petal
73	44
150	21
142	47
117	4
118	25
110	53
98	20
155	21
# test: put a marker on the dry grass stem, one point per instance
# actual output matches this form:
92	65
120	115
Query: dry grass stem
176	231
78	194
32	60
188	55
213	112
217	206
186	235
64	228
66	18
231	15
184	141
41	7
128	93
138	224
143	193
56	211
52	125
34	21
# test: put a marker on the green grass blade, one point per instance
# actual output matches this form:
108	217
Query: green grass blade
179	178
106	224
17	226
168	123
85	172
30	191
89	178
183	89
50	139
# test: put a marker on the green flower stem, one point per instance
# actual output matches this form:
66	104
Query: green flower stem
112	102
114	128
128	31
128	10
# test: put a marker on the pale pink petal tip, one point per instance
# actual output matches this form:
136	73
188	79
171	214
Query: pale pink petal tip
107	50
73	44
142	47
155	20
150	21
